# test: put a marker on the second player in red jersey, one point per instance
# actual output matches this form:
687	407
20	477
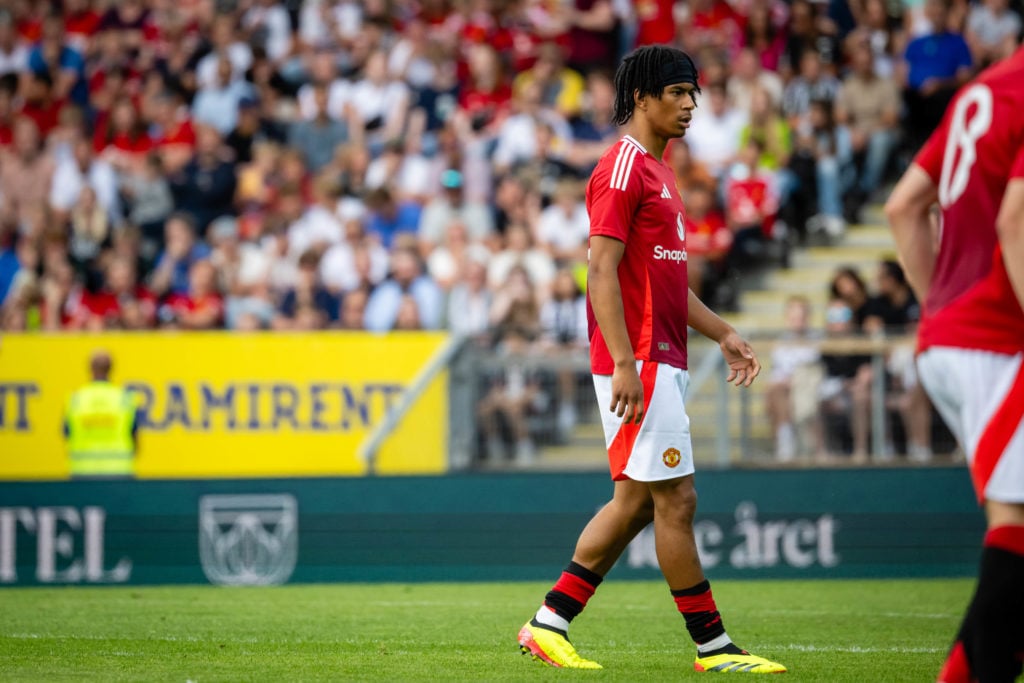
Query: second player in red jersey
971	339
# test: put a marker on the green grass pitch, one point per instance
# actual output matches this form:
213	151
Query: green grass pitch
828	631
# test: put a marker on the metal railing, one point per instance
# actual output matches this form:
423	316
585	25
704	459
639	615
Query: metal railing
537	408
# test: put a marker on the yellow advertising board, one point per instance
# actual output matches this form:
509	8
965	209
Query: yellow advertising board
231	405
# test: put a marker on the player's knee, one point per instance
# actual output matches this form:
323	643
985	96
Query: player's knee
676	500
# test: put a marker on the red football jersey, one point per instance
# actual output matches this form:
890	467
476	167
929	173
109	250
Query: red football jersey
632	197
978	148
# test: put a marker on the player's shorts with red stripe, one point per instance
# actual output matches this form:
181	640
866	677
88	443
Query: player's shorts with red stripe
980	394
659	447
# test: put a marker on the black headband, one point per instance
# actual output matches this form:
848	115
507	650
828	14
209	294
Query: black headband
681	70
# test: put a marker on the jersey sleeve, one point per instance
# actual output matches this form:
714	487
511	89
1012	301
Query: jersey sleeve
615	193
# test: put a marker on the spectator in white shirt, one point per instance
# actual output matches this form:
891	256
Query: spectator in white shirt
82	169
319	226
714	135
451	205
217	104
269	25
225	42
564	227
13	53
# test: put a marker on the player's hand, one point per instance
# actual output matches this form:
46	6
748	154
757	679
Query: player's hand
627	394
743	364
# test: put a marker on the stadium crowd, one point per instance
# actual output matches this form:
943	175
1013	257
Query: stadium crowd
399	164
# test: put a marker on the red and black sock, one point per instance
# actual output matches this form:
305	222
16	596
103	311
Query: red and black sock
992	634
570	594
703	621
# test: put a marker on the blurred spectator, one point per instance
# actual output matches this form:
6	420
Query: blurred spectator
593	129
765	42
688	171
813	83
894	309
83	170
714	134
90	229
269	26
710	25
122	303
560	88
225	42
451	206
148	197
517	136
878	30
27	170
485	97
205	186
867	111
446	261
406	278
216	104
768	129
845	391
353	310
181	251
251	129
934	66
848	286
563	228
708	241
308	294
795	375
55	58
319	227
992	30
122	139
355	262
470	300
387	218
201	307
749	75
509	399
318	137
39	102
173	134
13	52
816	163
520	252
750	207
380	102
809	31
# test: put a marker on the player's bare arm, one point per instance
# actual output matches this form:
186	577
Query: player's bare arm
743	364
909	214
1010	226
606	300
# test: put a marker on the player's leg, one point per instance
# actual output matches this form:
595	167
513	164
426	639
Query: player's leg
600	544
675	502
981	395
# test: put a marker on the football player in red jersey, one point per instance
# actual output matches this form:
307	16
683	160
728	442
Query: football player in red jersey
970	277
638	309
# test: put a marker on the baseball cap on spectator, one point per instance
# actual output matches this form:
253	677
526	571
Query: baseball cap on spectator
248	102
451	179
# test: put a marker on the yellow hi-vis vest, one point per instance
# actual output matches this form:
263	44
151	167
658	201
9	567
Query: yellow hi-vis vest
100	418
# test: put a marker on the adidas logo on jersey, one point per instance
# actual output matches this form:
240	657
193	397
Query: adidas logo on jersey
665	194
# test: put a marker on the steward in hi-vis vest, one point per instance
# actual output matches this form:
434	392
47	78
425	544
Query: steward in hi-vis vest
100	425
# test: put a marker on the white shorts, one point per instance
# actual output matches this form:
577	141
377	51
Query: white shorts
980	394
659	447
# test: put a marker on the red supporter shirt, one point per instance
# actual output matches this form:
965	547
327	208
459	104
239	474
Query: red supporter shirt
632	197
977	149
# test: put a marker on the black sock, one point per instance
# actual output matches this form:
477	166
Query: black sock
993	630
570	594
703	621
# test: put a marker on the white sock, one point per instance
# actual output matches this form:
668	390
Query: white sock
547	616
714	644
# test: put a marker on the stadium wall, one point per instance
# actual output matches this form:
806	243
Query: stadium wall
816	523
231	405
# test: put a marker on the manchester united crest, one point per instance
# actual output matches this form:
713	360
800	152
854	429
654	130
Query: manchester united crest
670	457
